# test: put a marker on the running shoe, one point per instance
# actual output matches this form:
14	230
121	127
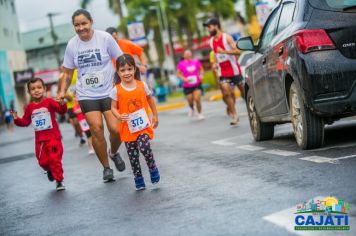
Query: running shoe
119	163
200	116
50	176
234	121
155	176
108	174
140	183
82	142
91	152
60	186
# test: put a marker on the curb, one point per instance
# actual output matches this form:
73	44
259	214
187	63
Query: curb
218	97
170	106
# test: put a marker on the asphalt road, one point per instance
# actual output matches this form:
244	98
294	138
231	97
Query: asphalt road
215	181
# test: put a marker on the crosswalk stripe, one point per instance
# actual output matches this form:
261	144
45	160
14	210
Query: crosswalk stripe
250	148
281	152
319	159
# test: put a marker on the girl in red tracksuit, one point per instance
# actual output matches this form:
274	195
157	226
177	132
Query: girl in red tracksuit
41	113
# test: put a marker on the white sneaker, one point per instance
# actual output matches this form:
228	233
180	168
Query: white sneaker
91	151
200	116
234	121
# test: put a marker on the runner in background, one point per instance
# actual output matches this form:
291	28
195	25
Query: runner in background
83	125
70	97
128	47
8	120
229	70
191	72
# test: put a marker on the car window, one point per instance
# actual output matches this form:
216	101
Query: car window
333	5
269	30
286	16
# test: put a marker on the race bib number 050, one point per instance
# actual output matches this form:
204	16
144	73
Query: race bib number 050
138	121
193	79
41	120
93	80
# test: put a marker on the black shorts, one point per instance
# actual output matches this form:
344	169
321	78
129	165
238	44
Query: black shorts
234	80
188	91
71	113
101	105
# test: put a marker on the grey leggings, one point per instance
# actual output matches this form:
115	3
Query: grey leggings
133	150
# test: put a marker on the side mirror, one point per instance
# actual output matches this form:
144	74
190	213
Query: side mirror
245	43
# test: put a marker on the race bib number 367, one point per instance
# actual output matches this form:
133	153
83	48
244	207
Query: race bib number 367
41	120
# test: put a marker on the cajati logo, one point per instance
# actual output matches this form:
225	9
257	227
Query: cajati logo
322	214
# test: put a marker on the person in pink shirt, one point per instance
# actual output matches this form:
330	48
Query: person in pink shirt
191	72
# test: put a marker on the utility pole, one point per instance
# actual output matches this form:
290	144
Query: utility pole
54	37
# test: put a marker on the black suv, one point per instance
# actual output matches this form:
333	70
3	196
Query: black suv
303	70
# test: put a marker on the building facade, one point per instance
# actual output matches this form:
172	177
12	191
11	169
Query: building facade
12	57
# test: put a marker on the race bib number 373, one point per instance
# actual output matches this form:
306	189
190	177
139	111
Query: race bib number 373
138	121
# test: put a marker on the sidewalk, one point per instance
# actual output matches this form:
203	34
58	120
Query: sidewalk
179	102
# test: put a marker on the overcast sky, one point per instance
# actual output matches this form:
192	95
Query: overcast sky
32	14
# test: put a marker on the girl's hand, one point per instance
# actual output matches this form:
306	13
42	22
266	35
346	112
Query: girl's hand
155	122
124	117
14	114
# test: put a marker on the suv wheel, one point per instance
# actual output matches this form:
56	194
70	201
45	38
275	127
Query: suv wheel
260	131
308	128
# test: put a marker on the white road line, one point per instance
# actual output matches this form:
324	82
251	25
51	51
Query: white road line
345	157
250	148
347	145
223	143
281	152
319	159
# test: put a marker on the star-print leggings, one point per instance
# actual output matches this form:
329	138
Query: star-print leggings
133	150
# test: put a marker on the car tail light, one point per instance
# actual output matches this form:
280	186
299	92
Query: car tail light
313	40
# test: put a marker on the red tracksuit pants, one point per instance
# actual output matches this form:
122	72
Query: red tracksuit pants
49	155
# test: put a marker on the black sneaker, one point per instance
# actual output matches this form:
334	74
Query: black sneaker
50	176
82	142
119	163
60	186
108	175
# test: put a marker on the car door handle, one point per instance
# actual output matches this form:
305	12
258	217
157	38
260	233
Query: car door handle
264	61
280	51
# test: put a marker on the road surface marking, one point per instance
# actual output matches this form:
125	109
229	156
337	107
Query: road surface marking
347	145
250	148
281	152
345	157
223	143
319	159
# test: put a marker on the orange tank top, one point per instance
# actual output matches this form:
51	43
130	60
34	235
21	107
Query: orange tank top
129	102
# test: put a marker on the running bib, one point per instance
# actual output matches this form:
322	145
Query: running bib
41	120
193	79
93	80
138	121
84	125
222	57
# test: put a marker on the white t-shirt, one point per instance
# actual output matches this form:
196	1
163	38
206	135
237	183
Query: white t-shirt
93	60
113	94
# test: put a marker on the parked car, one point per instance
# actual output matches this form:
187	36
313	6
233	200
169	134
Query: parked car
303	69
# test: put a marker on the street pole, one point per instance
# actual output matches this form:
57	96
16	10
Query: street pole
55	38
166	33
